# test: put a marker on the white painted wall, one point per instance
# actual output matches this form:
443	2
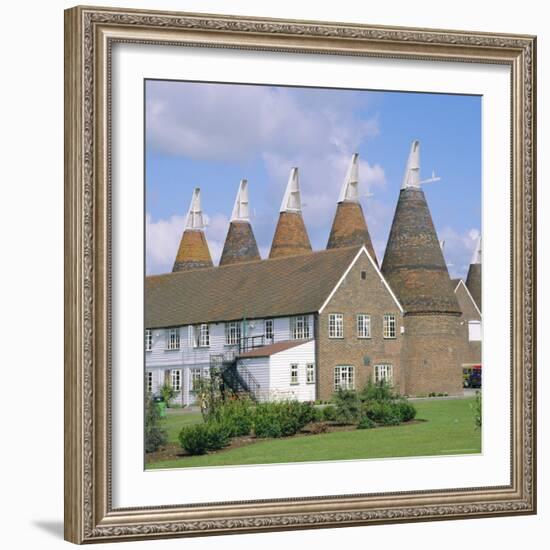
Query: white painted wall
279	373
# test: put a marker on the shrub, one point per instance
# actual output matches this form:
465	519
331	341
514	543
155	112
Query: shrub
405	411
155	434
383	413
318	427
348	406
365	423
329	413
218	435
476	409
283	418
195	439
167	392
236	414
377	391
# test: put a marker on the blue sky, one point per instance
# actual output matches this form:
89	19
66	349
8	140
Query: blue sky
212	135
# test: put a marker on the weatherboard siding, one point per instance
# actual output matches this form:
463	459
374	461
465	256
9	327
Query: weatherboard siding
279	370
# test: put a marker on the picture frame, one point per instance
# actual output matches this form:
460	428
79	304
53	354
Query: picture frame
90	34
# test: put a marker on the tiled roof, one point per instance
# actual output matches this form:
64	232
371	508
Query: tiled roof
473	282
266	288
290	237
413	262
272	349
240	244
349	228
193	252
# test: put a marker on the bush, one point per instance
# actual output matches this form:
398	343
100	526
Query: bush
219	435
404	410
377	391
383	413
283	418
236	414
348	406
167	392
318	427
155	434
195	439
329	413
476	407
365	423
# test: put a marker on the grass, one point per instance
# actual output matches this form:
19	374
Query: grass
449	429
176	420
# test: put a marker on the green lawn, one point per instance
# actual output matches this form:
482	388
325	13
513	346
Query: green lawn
449	429
176	420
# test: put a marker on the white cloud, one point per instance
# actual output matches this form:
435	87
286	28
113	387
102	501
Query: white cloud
163	238
458	249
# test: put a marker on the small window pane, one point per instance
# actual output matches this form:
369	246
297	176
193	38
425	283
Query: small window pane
294	374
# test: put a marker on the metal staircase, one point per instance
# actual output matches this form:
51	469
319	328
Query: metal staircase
237	380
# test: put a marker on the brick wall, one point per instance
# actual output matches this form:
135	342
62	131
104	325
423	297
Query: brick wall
355	295
432	349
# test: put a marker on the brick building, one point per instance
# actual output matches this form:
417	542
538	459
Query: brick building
304	323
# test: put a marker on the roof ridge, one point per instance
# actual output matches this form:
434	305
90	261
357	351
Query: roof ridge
312	254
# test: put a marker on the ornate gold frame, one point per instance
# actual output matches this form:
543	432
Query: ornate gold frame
89	35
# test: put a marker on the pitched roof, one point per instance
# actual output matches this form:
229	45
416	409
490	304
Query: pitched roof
258	289
473	283
272	349
413	262
290	237
240	244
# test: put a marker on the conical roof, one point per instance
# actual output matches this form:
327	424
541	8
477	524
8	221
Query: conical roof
291	236
473	279
240	244
193	250
349	227
413	262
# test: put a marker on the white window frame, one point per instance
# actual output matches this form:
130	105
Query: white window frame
474	334
149	381
383	372
269	333
294	374
363	325
148	339
232	333
310	373
175	379
299	327
336	325
390	326
344	377
194	375
172	339
201	335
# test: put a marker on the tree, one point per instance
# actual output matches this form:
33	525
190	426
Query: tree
155	434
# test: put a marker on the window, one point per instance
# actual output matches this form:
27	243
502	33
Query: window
149	381
389	325
299	327
268	329
176	379
201	336
344	378
310	373
335	325
294	373
148	339
363	325
195	378
474	331
363	275
173	338
232	333
383	373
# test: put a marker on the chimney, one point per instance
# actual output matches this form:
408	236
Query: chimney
240	244
473	279
193	251
349	227
291	238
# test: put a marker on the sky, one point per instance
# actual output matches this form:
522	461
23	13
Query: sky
211	136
